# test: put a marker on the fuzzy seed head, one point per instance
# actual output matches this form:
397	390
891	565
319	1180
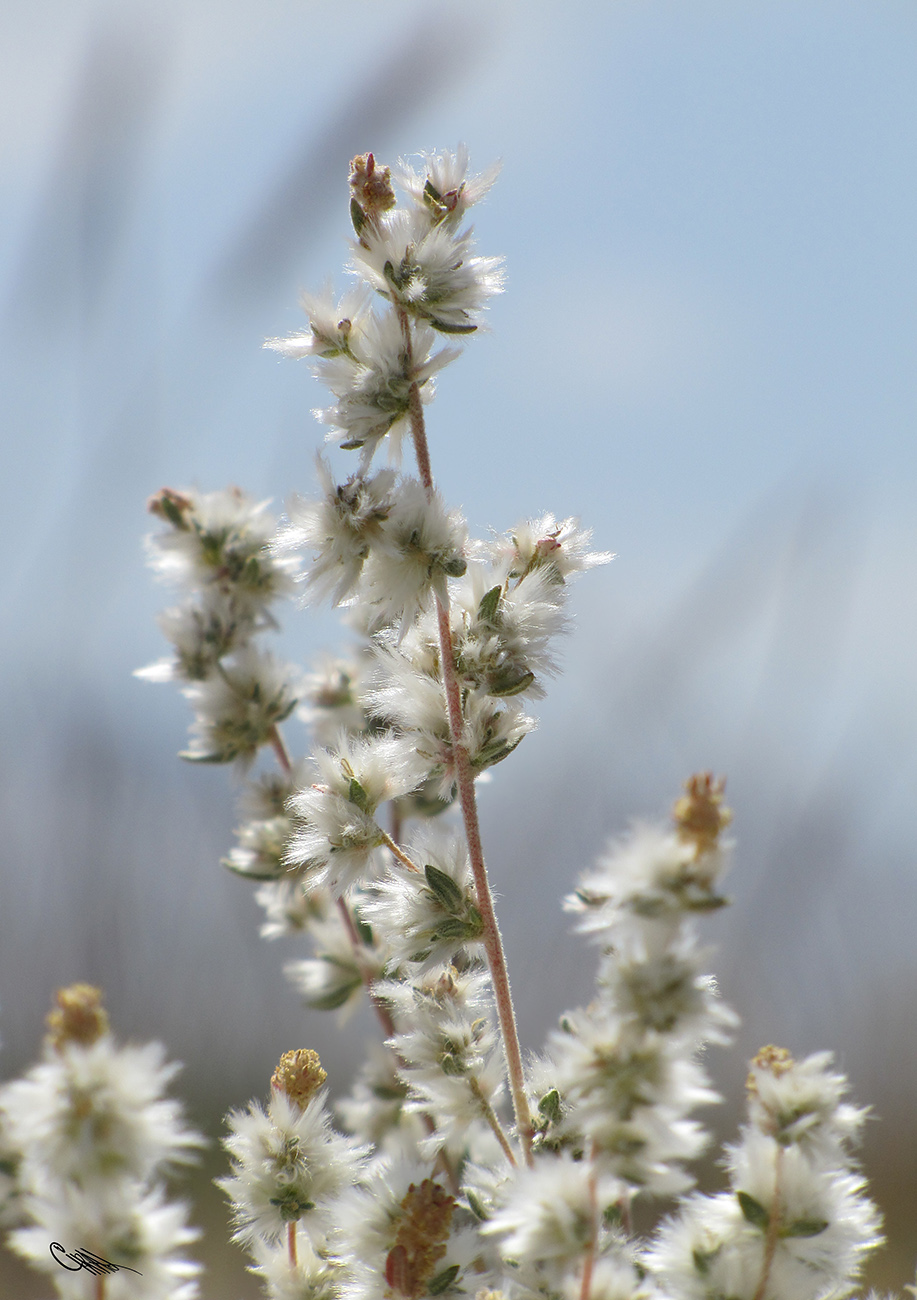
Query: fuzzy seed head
421	1239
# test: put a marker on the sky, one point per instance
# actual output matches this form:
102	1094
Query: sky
705	351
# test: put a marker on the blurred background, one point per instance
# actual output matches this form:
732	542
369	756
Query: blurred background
706	351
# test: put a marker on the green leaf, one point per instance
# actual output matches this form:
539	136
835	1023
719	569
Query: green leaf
703	1259
335	997
511	682
447	892
437	1285
455	566
445	328
549	1106
364	930
432	192
268	874
353	445
357	216
475	1205
804	1228
356	794
754	1211
487	609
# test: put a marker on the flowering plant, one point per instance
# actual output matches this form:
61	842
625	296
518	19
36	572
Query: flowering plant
454	1165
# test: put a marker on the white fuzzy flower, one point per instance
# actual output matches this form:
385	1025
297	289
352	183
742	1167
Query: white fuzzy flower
449	1050
802	1102
128	1225
652	873
340	527
288	1165
311	1277
334	698
559	548
90	1113
422	544
334	325
429	271
373	385
336	830
442	187
334	979
237	709
219	540
428	916
374	1111
291	905
549	1212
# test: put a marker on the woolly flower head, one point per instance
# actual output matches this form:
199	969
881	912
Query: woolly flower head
561	548
287	1164
335	826
238	709
801	1102
92	1110
334	325
431	914
442	187
340	527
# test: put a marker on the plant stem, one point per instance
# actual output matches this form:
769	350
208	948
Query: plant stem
493	944
291	1242
488	1112
773	1229
399	853
589	1261
381	1010
280	749
100	1287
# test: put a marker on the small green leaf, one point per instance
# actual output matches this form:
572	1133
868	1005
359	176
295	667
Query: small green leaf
455	566
437	1285
549	1106
357	216
356	794
445	328
475	1205
447	892
613	1215
453	927
804	1228
703	1259
487	609
334	998
353	445
268	874
754	1211
431	192
364	930
511	682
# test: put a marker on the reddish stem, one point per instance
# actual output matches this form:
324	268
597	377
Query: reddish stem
291	1242
464	777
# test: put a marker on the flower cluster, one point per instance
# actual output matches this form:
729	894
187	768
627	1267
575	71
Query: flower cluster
94	1134
463	1168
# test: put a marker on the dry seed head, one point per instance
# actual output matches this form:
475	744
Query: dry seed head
699	814
775	1059
420	1242
299	1075
79	1017
371	185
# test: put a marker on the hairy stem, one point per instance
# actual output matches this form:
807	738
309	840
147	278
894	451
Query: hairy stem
291	1242
488	1112
280	749
589	1261
399	853
464	777
773	1229
381	1010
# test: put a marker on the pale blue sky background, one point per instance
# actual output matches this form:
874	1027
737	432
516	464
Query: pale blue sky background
706	350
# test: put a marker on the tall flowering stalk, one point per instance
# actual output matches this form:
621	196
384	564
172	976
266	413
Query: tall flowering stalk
371	848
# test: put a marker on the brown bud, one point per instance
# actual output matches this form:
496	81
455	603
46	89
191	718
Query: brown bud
79	1017
776	1060
299	1075
699	814
371	185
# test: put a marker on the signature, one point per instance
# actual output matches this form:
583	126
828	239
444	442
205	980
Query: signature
85	1260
